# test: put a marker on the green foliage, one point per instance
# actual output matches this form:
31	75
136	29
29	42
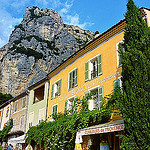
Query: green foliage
4	98
1	148
133	99
77	31
6	129
33	15
50	45
60	134
96	32
29	52
20	26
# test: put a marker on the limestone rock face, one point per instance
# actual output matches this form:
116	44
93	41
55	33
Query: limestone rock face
36	46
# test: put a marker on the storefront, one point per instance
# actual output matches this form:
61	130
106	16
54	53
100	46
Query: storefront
100	137
17	140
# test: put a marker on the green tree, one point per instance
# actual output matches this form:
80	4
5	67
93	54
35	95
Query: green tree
4	98
133	99
4	132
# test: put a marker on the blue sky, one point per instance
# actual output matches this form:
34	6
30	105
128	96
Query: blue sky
93	15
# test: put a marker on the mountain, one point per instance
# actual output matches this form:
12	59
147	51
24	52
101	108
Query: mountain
36	46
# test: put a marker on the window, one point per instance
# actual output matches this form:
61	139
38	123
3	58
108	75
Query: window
71	105
22	122
73	78
14	124
31	119
1	115
23	102
7	112
15	106
55	110
41	115
56	88
118	55
39	94
117	83
93	68
95	100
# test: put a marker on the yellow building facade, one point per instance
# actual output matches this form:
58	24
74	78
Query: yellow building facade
102	69
95	67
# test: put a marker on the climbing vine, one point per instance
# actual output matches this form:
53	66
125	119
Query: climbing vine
60	134
6	129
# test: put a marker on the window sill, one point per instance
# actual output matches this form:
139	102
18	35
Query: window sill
72	88
119	66
37	101
55	97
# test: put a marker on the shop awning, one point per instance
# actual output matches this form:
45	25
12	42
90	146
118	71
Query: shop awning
112	126
19	139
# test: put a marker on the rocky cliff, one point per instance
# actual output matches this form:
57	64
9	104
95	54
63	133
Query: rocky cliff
36	46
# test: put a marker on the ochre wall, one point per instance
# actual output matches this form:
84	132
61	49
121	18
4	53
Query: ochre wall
109	68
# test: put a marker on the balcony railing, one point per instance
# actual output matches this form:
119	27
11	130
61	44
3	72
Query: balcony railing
94	73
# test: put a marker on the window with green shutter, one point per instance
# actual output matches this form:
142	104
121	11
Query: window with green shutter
76	77
56	89
100	95
71	105
59	87
55	109
73	78
86	71
116	83
99	64
86	94
119	63
95	98
52	92
66	103
75	104
93	68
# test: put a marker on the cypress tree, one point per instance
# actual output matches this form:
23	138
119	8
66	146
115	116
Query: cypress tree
134	102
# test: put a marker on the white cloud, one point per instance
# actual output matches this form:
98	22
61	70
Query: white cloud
7	23
17	7
74	20
71	18
66	7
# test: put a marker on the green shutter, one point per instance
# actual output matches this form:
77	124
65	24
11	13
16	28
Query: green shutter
75	103
55	110
116	83
66	103
86	71
59	87
119	63
100	95
52	91
76	76
86	94
70	79
100	64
